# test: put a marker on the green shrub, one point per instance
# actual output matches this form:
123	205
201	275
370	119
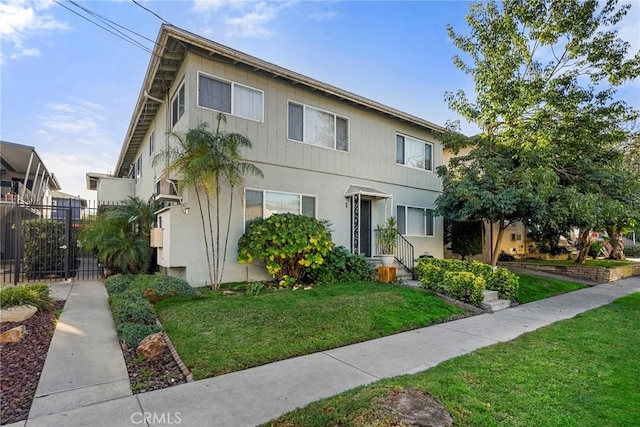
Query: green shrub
289	245
632	251
133	309
133	333
340	266
118	283
43	254
37	295
167	286
431	274
465	286
595	248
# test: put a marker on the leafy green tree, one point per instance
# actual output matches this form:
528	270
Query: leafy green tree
465	237
208	162
545	74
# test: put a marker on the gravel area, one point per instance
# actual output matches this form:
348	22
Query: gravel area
152	374
22	363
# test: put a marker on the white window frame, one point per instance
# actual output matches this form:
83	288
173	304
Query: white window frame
404	160
426	229
335	127
264	201
138	168
176	96
233	84
152	142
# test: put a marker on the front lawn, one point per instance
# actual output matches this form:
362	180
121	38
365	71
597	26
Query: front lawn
533	288
578	372
605	263
221	334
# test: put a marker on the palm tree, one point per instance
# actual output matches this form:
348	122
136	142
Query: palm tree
207	161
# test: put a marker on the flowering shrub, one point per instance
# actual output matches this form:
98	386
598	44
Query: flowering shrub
432	274
288	244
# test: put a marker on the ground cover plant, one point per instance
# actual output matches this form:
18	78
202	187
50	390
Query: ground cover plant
131	298
218	334
582	371
533	288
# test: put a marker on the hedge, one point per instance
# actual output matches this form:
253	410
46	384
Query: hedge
433	275
131	298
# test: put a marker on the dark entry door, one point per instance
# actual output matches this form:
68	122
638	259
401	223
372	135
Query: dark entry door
365	227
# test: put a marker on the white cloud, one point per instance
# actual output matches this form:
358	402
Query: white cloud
78	140
21	20
241	18
34	52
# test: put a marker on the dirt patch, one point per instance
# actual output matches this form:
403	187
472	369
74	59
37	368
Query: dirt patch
413	407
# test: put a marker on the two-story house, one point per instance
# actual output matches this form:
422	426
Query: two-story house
324	152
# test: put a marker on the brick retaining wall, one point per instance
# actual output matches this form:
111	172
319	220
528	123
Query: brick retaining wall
594	274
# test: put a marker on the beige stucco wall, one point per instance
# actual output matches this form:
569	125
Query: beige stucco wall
288	166
114	190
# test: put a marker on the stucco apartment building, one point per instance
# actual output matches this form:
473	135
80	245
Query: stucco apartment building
324	152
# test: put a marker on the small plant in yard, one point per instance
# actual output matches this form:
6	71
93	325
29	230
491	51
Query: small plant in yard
254	288
37	295
289	245
340	265
387	236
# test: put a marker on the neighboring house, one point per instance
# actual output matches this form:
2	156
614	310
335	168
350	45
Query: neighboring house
61	203
24	178
324	152
514	239
25	183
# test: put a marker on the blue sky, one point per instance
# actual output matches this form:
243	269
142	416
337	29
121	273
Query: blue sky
69	88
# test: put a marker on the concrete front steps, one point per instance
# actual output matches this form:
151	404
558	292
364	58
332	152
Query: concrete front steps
402	274
493	303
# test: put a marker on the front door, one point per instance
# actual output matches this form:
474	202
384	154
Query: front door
365	227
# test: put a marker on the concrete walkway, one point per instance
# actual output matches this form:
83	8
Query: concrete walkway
256	395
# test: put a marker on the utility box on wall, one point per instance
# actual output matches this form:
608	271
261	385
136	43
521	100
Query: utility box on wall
156	237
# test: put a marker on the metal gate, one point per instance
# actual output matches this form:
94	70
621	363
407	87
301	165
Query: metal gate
40	243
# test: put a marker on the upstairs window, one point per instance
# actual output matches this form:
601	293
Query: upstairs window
262	204
231	98
414	221
177	105
316	127
152	142
138	172
414	153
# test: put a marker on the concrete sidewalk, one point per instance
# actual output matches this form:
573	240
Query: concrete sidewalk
84	364
256	395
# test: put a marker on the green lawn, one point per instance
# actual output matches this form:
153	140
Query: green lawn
578	372
218	334
533	288
605	263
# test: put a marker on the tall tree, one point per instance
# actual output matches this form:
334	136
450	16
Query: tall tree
210	162
545	74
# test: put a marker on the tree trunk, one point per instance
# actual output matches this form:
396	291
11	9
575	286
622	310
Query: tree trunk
617	245
584	242
496	250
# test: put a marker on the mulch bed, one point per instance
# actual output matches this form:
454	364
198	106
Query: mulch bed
22	364
152	374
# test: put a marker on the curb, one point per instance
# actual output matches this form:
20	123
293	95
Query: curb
185	371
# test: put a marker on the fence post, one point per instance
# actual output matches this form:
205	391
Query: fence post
17	256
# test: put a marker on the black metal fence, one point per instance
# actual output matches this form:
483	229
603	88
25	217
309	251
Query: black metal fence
40	243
